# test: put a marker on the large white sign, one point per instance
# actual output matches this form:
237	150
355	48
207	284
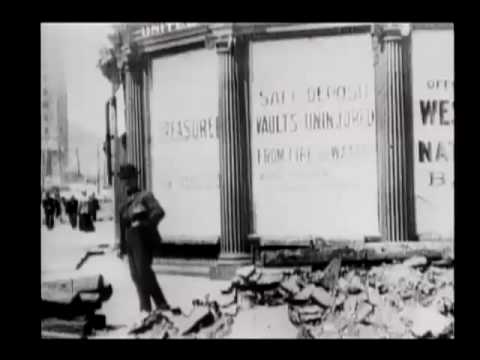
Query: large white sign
185	158
313	137
433	112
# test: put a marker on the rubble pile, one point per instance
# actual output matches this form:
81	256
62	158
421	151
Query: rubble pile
413	299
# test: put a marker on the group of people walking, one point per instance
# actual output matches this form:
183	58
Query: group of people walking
81	212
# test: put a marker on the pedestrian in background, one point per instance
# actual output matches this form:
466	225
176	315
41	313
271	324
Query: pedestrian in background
72	211
85	222
139	237
94	206
58	206
49	210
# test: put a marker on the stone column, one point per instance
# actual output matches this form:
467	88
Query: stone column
394	133
233	143
134	117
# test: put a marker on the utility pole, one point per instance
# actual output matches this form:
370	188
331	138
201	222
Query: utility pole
78	163
108	141
59	159
116	166
98	169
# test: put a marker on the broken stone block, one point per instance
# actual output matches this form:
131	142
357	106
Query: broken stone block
426	321
342	285
321	297
89	297
369	332
263	323
310	313
350	306
382	289
269	279
246	300
327	330
406	294
331	274
364	310
216	330
444	300
231	310
355	286
340	300
224	300
309	309
254	278
443	263
304	294
416	261
201	316
245	271
426	288
387	317
291	285
316	277
374	297
393	275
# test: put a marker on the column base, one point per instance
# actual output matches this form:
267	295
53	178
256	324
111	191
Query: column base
234	257
227	265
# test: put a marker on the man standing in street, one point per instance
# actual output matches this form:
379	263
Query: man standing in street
49	210
139	237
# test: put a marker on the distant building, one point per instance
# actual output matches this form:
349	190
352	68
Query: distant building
54	148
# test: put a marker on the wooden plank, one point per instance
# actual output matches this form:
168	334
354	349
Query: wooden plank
356	253
58	335
75	326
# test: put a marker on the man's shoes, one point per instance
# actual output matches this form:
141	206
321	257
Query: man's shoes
140	323
167	307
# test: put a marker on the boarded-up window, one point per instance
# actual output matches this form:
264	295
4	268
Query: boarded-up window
184	148
433	115
313	136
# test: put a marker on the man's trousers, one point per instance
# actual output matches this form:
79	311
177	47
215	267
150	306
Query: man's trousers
140	257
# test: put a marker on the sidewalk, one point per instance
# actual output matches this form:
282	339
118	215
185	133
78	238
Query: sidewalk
63	247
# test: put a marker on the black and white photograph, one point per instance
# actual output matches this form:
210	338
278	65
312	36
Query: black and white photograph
247	180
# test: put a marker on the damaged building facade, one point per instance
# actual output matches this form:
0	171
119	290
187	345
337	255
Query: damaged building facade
293	131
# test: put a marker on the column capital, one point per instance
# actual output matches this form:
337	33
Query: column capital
225	43
132	59
391	31
223	36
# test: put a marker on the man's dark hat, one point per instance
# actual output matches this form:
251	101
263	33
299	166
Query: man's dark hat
127	171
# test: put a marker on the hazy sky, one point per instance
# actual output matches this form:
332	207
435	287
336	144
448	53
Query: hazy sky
78	46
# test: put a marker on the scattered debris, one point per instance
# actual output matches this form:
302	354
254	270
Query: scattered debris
416	261
322	297
69	306
331	273
411	299
87	255
427	322
355	286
